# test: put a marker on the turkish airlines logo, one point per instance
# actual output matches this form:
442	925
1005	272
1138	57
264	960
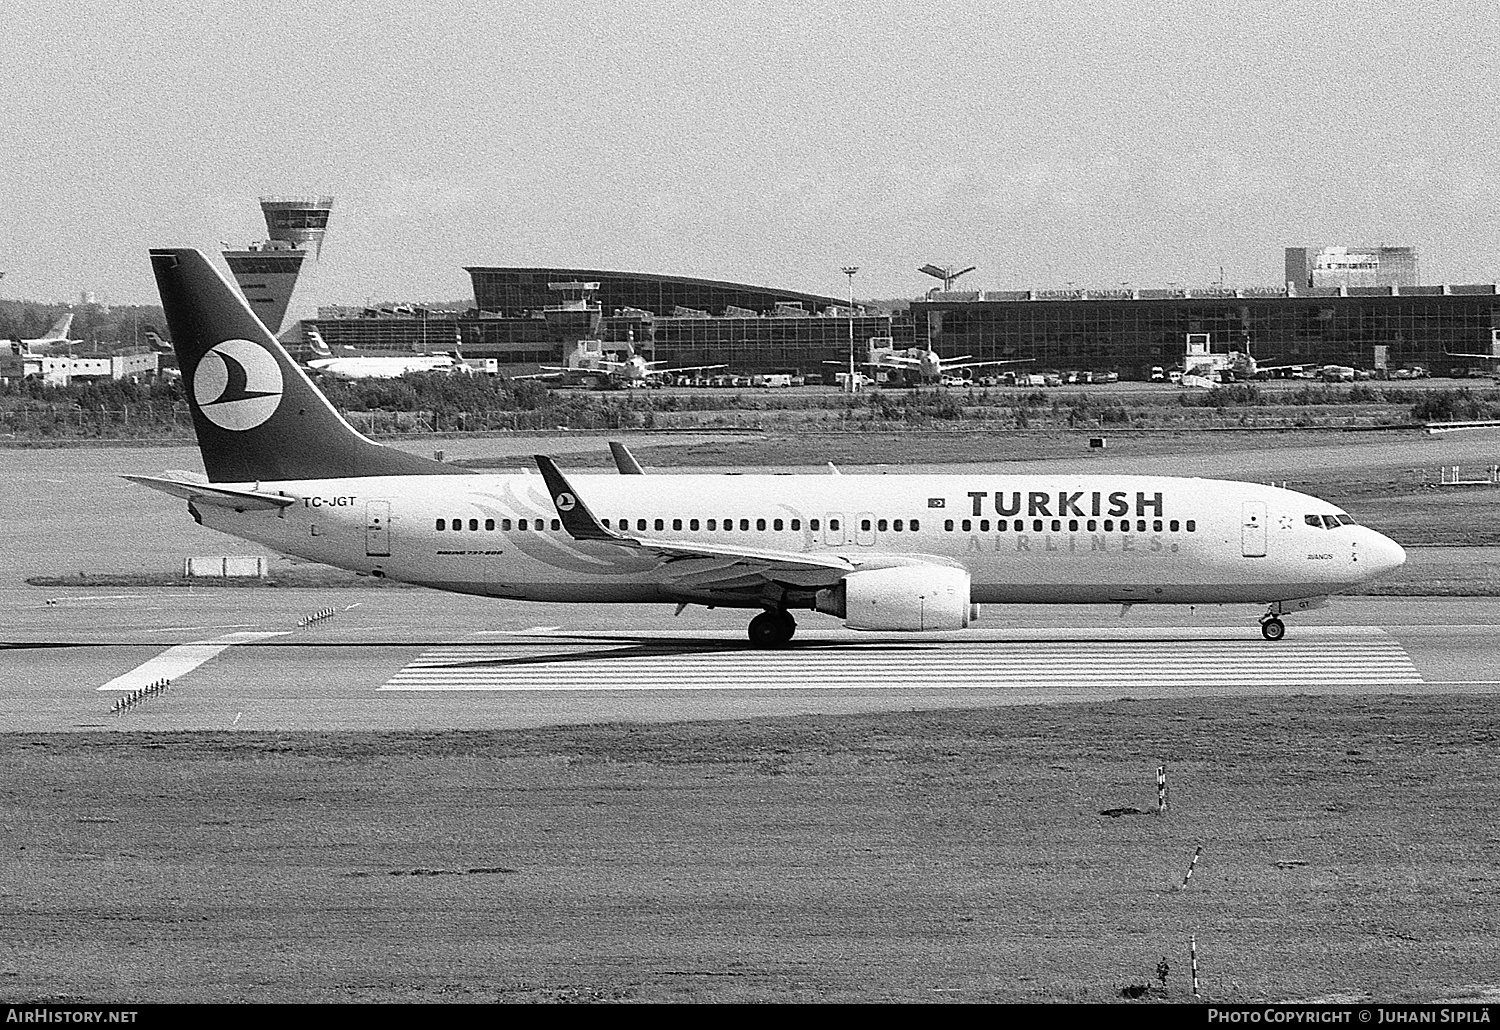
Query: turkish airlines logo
237	385
566	502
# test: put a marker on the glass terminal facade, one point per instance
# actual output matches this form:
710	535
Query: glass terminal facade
1446	329
517	291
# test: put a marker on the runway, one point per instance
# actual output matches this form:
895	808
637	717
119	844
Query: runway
397	659
984	661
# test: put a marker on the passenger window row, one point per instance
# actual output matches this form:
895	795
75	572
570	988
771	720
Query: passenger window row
504	525
691	525
866	525
711	525
1074	525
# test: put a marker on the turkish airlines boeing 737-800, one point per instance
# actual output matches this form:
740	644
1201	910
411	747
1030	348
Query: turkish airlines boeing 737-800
879	552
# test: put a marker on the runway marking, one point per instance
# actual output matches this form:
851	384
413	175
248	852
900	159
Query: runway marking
65	601
180	660
200	628
1199	656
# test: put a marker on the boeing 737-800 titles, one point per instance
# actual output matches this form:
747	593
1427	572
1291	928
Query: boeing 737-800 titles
899	553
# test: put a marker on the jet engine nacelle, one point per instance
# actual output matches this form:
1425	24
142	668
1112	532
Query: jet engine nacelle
921	597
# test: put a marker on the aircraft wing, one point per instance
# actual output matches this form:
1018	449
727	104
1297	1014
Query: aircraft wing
699	565
217	496
981	364
684	368
889	361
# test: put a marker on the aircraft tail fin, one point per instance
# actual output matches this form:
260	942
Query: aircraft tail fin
256	414
625	461
59	331
319	345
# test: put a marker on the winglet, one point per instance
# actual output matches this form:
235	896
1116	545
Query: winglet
576	517
624	460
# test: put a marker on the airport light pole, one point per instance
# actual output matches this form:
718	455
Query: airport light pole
849	270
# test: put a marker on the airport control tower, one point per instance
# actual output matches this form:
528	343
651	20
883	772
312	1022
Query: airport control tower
267	271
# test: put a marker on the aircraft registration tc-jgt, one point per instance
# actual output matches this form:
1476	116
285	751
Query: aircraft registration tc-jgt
887	552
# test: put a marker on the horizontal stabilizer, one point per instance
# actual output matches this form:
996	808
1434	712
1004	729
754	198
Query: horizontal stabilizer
217	496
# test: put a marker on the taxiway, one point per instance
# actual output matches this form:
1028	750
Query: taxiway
384	659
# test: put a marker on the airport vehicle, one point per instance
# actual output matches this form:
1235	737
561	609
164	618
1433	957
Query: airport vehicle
898	553
55	338
383	366
772	380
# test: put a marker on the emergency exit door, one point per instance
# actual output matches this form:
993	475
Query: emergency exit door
378	529
833	529
1253	530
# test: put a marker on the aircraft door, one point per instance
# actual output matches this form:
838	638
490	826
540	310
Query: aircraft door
378	529
864	529
1253	530
833	529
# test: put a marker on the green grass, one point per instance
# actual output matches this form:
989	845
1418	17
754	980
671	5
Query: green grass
1349	849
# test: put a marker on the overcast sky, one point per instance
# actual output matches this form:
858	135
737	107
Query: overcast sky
767	142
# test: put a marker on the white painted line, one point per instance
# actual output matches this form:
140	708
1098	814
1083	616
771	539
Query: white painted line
200	629
616	663
180	660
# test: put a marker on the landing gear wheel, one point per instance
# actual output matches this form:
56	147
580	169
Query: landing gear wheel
772	629
1272	628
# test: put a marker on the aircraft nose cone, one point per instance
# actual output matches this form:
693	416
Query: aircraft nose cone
1382	555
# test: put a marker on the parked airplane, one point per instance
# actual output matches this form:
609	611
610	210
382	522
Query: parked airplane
899	553
923	362
375	366
55	338
589	359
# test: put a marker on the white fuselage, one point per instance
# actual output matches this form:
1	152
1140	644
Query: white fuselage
1057	538
381	368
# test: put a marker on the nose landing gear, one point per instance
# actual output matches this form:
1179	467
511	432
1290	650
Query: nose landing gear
772	628
1271	626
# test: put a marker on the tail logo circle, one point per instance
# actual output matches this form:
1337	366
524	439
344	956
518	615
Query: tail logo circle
566	502
237	385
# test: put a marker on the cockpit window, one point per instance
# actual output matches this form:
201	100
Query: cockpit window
1330	522
1313	520
1345	520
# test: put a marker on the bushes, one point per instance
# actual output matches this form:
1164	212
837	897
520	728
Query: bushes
1455	406
1089	409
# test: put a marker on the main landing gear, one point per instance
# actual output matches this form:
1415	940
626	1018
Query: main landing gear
1272	628
772	628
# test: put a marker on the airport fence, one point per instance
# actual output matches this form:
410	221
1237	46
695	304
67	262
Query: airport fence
66	421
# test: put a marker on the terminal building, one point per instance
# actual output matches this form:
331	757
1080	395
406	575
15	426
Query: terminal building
1449	330
526	317
1359	307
